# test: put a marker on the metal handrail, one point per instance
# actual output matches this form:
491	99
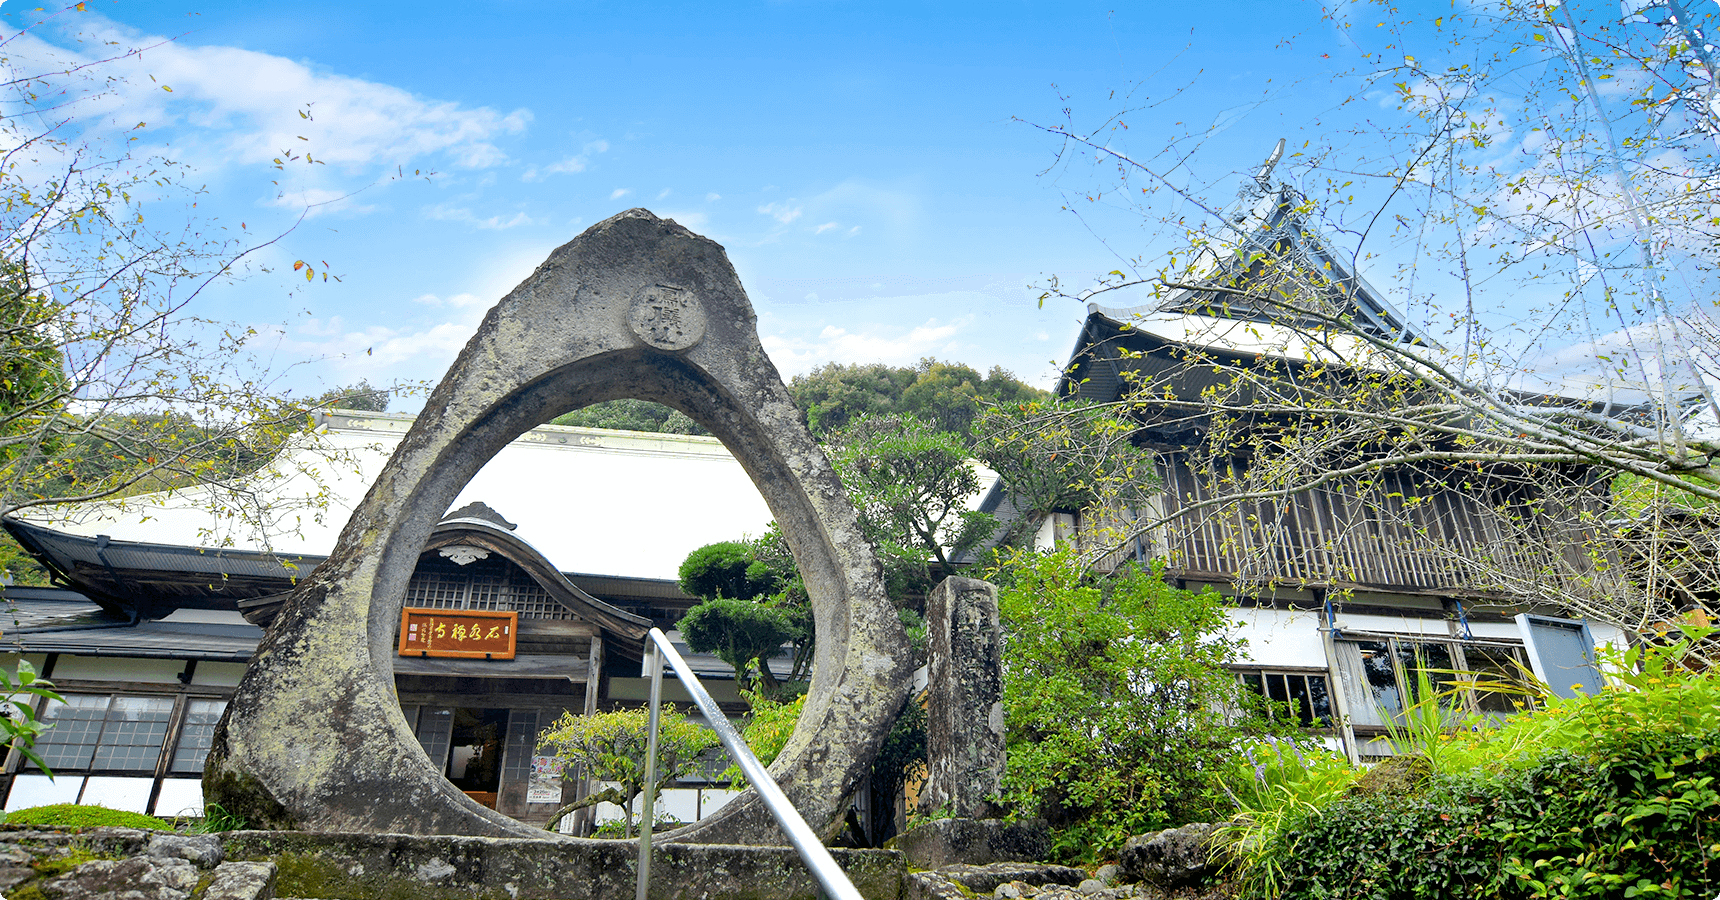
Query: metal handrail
812	851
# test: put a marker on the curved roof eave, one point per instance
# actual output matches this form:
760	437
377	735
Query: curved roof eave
490	536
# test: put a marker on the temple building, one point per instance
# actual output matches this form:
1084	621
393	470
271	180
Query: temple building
569	539
1340	597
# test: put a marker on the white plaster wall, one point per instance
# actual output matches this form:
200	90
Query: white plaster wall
1280	637
39	790
219	674
1393	624
180	797
118	792
1501	630
9	661
112	668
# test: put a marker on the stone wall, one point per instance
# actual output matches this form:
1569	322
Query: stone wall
43	864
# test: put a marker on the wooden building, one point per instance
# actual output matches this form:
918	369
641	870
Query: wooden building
146	639
1341	591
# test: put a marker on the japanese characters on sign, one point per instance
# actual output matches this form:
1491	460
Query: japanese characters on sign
472	633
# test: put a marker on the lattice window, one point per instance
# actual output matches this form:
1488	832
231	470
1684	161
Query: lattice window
531	601
486	592
437	590
104	732
492	584
197	735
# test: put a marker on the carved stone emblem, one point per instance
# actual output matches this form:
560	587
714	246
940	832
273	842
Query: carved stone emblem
667	317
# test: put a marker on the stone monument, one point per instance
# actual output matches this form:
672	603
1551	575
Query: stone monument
636	307
964	706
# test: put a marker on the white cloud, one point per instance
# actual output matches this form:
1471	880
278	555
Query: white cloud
784	212
447	212
713	197
663	193
457	301
322	201
827	226
618	193
879	343
245	107
572	164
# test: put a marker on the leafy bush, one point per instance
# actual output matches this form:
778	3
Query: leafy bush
1117	706
766	732
1612	795
610	746
1638	818
1276	786
71	815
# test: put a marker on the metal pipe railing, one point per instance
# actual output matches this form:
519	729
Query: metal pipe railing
812	851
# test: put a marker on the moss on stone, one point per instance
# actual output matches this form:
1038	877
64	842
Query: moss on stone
72	815
243	796
312	876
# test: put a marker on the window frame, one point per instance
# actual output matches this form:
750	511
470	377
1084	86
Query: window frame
1458	651
181	696
1313	724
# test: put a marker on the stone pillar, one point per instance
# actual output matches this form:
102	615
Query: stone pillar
964	712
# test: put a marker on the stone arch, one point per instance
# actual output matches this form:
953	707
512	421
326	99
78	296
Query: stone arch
635	307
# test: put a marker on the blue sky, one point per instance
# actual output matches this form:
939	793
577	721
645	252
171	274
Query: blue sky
870	167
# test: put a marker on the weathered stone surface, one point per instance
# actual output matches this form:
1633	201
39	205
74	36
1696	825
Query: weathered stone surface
1175	857
635	307
946	842
262	865
1394	775
460	868
241	881
958	882
11	876
1110	874
138	878
202	850
964	712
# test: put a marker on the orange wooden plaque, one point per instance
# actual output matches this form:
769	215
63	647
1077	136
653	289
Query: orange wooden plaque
467	633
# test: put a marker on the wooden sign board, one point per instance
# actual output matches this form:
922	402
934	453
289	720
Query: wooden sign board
468	633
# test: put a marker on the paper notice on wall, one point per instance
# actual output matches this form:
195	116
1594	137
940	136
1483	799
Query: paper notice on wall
545	786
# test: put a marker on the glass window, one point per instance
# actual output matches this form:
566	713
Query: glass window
132	733
435	728
76	729
1566	654
197	734
1496	664
1378	675
1306	695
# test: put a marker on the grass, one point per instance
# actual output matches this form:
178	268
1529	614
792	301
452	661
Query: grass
70	815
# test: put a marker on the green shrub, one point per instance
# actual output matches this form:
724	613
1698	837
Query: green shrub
71	815
1117	705
1612	795
1635	818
